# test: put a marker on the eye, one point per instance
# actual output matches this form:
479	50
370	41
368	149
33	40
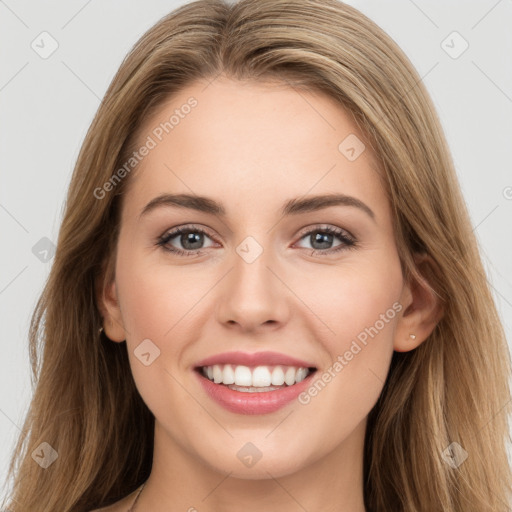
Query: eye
191	238
322	237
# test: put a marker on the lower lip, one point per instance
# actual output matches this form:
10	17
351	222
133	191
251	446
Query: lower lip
253	403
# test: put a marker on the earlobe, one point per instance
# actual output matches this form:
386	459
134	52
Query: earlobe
422	309
113	326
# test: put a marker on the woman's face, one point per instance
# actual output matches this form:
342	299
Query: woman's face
262	276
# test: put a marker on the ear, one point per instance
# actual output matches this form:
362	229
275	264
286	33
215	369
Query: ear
422	308
108	304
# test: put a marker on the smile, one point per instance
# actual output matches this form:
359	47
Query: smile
253	390
260	377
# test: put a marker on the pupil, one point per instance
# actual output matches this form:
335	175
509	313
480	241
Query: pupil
325	238
190	238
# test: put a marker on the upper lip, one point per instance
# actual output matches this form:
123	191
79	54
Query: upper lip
254	359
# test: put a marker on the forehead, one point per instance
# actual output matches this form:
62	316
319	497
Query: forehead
253	144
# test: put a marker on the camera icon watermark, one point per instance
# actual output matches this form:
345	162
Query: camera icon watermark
45	455
44	249
454	455
351	147
44	45
146	352
454	45
249	455
249	249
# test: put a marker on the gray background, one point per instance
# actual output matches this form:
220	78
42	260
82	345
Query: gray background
47	104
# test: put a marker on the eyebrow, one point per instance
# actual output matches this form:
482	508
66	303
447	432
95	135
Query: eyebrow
291	207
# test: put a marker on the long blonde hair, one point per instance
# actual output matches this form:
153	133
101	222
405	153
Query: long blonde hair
453	388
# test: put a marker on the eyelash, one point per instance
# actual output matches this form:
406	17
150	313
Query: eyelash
348	242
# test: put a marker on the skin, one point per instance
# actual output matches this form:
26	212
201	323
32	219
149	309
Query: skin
253	146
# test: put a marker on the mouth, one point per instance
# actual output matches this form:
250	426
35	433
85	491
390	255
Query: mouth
255	379
254	383
254	390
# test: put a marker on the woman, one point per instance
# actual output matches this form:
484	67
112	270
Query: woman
196	355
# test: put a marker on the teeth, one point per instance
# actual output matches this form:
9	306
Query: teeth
252	389
289	376
243	376
258	377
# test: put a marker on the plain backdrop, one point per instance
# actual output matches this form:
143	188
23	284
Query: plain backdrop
461	49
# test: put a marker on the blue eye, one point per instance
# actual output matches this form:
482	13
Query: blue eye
191	237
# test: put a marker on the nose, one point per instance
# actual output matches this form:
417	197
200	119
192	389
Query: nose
253	296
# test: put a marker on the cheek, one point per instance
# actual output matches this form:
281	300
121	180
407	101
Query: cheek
360	306
156	303
155	297
349	300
